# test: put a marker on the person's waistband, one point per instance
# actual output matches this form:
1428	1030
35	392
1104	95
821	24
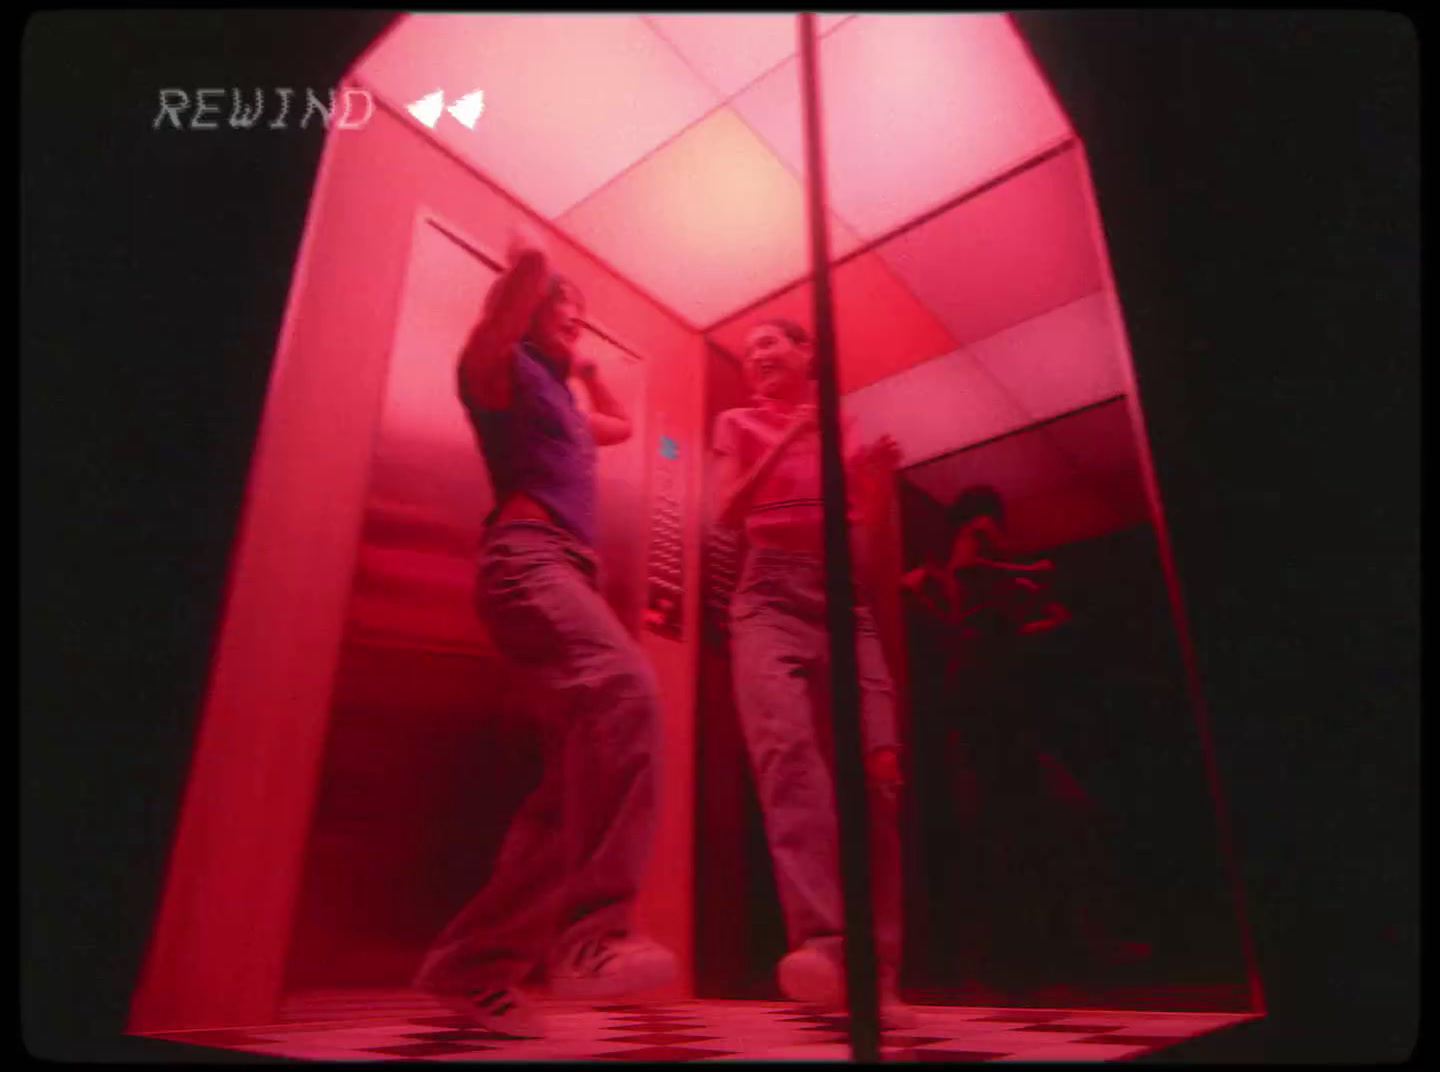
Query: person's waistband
803	570
524	507
780	556
536	529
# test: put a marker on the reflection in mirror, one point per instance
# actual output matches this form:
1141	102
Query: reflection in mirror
1062	831
1036	767
766	487
1059	832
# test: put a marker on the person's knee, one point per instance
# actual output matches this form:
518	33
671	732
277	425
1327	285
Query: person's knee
629	695
636	679
789	766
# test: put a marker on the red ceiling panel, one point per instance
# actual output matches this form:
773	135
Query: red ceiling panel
1102	439
1018	250
1021	465
1058	361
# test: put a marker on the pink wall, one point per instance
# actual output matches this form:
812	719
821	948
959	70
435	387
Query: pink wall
224	923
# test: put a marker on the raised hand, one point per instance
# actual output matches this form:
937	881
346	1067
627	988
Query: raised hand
522	239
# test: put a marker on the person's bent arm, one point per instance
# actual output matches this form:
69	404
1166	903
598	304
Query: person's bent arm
1030	594
925	589
1055	615
1042	566
914	579
484	367
608	419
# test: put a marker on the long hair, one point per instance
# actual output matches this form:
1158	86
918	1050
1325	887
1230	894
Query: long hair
557	286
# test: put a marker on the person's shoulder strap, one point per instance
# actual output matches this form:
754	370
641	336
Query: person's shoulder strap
729	432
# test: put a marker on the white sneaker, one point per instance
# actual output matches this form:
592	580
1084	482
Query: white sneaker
503	1010
895	1015
609	967
809	976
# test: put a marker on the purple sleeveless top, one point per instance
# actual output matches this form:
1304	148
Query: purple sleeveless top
542	445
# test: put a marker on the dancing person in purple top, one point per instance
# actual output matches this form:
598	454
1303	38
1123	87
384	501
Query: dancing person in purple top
562	892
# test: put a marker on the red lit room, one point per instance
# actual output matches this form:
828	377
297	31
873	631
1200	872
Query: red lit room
363	744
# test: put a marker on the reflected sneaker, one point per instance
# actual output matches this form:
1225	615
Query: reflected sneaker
809	976
895	1015
609	966
503	1010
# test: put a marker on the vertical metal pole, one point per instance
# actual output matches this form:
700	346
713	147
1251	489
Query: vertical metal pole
852	808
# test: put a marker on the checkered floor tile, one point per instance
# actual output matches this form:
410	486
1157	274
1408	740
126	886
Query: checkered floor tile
389	1025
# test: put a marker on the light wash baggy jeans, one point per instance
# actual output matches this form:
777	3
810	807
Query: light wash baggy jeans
571	862
780	654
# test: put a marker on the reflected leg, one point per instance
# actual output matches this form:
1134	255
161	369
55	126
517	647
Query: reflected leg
877	709
774	658
1093	915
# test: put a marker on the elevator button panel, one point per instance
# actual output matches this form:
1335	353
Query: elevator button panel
665	602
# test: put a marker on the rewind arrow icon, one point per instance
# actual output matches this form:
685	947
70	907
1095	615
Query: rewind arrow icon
427	108
468	108
465	110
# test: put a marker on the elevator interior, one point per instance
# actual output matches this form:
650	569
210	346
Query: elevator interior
360	753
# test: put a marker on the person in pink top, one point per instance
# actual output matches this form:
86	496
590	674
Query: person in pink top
768	479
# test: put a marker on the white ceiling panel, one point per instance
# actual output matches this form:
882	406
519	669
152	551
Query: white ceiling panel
935	407
709	224
570	101
731	51
918	109
1057	362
